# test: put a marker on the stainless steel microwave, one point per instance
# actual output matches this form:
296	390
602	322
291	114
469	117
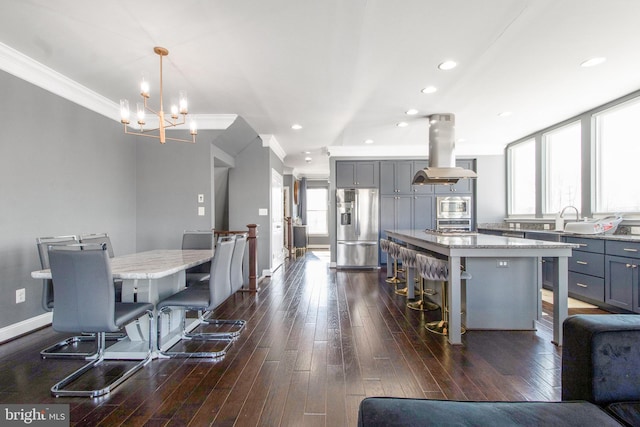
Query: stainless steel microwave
453	207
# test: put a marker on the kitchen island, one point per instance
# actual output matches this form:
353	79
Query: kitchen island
490	260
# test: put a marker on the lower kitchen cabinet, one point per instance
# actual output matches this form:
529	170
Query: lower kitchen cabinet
395	214
587	269
621	282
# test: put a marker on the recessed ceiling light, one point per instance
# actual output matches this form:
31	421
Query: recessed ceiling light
461	140
505	114
411	112
447	65
368	141
307	159
402	124
306	152
296	127
429	89
592	62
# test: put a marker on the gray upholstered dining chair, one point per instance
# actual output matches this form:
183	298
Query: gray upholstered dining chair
237	260
85	302
202	298
67	348
199	239
104	238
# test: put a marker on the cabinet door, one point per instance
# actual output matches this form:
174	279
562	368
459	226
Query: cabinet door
387	178
404	212
421	189
387	220
366	175
548	278
404	176
423	213
620	279
462	186
345	174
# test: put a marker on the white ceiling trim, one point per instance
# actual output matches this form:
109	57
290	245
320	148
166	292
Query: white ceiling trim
270	141
410	151
27	69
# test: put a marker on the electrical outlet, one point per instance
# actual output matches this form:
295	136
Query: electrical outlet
547	226
503	263
20	295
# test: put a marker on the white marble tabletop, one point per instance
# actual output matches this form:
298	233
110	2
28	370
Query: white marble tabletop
149	265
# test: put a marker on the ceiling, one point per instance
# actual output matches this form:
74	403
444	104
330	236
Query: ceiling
347	71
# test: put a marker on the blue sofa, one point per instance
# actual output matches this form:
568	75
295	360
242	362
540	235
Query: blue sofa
600	386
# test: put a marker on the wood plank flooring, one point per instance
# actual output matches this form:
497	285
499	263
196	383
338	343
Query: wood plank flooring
317	342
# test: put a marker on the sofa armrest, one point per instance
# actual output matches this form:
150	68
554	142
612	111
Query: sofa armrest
601	358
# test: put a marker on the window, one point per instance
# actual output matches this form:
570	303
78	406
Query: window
317	214
562	166
522	172
617	150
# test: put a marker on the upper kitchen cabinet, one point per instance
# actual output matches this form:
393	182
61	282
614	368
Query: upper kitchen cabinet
462	186
396	177
421	189
357	174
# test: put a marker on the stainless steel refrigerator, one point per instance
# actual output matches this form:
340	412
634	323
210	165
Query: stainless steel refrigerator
357	228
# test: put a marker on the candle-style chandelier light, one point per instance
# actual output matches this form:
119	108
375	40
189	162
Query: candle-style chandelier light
179	108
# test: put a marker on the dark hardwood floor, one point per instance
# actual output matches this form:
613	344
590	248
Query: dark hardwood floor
317	342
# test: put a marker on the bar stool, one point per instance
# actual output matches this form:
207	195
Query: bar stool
424	265
408	258
438	270
394	252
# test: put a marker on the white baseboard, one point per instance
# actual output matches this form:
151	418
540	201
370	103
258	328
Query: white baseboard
20	328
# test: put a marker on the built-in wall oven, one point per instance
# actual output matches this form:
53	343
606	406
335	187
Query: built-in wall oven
453	213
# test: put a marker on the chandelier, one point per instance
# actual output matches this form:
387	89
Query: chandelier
164	122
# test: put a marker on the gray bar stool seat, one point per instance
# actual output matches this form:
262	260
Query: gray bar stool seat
438	270
424	265
394	252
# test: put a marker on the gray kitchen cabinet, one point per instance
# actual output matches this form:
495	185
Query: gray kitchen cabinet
357	174
587	269
395	214
423	212
421	189
548	264
463	186
622	279
396	177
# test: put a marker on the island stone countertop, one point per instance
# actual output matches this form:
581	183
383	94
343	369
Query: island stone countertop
507	229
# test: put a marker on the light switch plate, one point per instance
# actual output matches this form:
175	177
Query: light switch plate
200	210
263	212
200	198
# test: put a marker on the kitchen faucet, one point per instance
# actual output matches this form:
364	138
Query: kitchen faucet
572	207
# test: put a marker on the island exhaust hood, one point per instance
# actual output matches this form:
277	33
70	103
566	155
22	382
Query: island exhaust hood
442	160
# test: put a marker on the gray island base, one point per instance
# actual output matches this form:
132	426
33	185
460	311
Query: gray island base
505	290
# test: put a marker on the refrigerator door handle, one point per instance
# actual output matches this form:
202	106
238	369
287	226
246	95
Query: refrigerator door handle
357	213
358	243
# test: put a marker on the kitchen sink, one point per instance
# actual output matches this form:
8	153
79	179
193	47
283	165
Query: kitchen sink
597	226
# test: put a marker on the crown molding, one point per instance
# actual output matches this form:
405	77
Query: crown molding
27	69
270	141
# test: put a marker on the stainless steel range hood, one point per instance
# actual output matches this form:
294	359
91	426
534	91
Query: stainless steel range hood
442	160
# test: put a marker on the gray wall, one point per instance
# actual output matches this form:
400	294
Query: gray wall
63	170
169	178
221	197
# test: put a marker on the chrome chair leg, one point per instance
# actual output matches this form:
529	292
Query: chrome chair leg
59	389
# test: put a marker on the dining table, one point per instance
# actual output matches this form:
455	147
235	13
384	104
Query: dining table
150	276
